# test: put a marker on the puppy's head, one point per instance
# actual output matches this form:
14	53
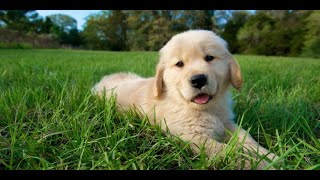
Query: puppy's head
195	67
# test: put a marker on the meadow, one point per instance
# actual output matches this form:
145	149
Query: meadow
50	120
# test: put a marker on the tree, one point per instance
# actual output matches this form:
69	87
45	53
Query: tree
273	33
220	18
254	36
289	31
106	30
141	30
94	32
64	29
139	25
150	30
202	20
232	27
20	20
47	25
312	36
160	29
117	29
64	22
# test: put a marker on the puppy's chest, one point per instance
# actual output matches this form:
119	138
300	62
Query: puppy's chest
196	122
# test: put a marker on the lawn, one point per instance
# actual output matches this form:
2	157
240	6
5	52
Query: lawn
50	120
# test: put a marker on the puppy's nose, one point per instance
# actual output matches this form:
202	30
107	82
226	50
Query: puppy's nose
198	80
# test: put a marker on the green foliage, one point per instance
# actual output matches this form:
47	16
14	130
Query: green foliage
64	29
20	20
273	33
159	30
27	22
231	29
276	32
15	45
64	22
106	30
15	39
94	32
50	120
47	26
198	19
150	30
312	37
252	37
117	31
265	32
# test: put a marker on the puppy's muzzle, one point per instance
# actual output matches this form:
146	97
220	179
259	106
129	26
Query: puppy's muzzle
198	80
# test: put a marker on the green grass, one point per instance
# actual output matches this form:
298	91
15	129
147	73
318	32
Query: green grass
50	120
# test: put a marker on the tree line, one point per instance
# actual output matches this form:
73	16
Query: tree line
265	32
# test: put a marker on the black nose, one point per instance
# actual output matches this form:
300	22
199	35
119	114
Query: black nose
198	80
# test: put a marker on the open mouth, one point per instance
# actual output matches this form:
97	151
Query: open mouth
202	98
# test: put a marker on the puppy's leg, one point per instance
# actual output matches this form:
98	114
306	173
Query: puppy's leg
213	148
199	141
251	146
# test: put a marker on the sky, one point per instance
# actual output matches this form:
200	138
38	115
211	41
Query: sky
79	15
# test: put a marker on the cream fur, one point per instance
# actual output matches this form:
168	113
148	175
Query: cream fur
169	93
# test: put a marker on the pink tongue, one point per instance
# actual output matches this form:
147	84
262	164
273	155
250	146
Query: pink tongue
201	99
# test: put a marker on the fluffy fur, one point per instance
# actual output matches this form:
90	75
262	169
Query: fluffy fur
169	94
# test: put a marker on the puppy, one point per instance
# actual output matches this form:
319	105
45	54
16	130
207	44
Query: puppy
189	94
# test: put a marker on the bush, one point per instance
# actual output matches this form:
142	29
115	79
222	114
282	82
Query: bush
15	45
14	39
312	49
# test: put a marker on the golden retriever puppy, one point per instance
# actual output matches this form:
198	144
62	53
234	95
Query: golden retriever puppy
189	94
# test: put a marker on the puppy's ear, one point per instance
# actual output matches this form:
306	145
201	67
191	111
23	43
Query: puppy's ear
235	73
158	81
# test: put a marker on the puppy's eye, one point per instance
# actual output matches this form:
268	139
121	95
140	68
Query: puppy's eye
208	58
179	64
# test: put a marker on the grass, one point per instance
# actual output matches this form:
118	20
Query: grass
50	120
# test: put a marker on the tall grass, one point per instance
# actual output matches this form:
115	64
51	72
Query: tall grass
50	120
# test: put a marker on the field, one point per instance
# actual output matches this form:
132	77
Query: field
50	120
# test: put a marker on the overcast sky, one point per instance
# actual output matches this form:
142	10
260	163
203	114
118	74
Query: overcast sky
79	15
